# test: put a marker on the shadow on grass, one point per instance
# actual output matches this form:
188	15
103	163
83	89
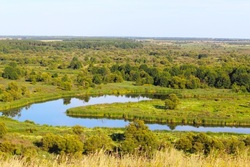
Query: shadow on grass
160	107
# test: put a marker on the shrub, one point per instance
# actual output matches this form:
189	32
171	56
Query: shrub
75	63
61	144
234	145
247	141
198	143
98	142
171	102
12	73
139	139
78	130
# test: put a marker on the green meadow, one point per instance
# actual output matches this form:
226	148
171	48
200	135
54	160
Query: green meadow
222	110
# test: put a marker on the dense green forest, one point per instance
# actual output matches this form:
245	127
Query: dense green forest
205	82
80	64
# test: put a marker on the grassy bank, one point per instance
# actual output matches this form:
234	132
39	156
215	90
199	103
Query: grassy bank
225	111
46	93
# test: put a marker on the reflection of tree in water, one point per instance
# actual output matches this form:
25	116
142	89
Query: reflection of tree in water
172	126
132	95
151	96
84	98
12	113
66	100
27	107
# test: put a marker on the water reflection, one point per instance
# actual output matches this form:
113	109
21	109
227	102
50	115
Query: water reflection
66	100
53	112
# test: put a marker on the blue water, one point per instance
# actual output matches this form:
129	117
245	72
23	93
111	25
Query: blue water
53	113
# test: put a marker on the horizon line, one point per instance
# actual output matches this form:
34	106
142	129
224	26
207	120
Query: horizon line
143	37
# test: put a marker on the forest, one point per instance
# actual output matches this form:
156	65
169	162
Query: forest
201	81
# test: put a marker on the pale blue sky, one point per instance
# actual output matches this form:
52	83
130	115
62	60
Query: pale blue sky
146	18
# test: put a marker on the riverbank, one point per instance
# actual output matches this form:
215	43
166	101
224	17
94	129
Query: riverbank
105	89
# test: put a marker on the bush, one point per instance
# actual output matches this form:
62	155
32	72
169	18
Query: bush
61	144
139	139
78	130
75	63
12	73
247	141
98	142
171	102
234	145
198	143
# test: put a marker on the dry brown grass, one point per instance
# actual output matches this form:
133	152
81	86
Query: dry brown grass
168	158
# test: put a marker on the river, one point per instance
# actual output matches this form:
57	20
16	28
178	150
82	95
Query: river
53	113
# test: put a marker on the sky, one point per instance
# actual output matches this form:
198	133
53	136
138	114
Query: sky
140	18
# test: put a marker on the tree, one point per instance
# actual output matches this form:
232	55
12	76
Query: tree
210	78
178	82
12	73
193	82
139	139
223	81
171	102
97	79
75	63
84	80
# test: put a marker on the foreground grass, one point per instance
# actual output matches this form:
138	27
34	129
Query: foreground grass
169	157
26	133
200	111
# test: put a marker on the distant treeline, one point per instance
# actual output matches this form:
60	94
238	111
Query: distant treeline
10	45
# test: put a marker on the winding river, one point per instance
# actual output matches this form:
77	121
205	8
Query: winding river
53	113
